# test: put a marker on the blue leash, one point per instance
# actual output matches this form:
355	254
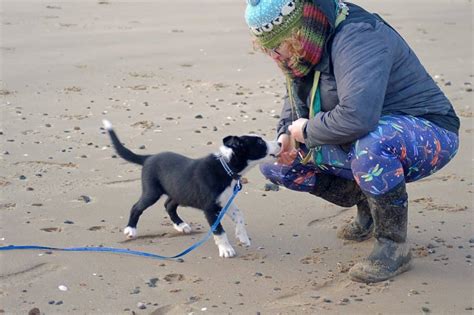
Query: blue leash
237	188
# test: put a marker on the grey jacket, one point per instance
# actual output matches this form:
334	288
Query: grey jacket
367	71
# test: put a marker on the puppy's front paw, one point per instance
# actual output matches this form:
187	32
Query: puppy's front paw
226	251
130	232
183	227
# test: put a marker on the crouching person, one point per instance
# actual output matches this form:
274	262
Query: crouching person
362	117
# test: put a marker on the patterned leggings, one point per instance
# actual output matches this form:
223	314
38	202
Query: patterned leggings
401	148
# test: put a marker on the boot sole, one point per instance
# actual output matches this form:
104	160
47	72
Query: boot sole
372	278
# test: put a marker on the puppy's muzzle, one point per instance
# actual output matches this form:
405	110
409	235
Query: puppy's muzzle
275	149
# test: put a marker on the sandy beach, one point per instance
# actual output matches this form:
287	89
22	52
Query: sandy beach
179	77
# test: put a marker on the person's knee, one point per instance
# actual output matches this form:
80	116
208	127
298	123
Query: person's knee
376	164
265	169
296	177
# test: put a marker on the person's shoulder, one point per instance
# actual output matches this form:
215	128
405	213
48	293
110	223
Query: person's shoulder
358	20
352	33
356	27
358	15
357	38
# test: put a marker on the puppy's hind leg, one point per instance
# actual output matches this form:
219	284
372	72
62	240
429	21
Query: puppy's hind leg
150	195
178	224
238	219
220	237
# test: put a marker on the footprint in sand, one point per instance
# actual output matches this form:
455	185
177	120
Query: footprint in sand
51	229
31	272
173	277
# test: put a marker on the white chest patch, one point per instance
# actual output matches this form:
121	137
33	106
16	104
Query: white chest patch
226	194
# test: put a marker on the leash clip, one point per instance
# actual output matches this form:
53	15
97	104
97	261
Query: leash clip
238	186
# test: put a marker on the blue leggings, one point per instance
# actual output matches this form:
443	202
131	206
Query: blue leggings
402	148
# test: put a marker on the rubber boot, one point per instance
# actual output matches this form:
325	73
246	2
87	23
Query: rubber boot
361	227
346	193
391	253
337	190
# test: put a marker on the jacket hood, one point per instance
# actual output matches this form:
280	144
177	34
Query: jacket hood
328	7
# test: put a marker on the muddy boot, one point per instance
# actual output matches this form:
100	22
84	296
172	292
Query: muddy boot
346	193
337	190
391	254
361	227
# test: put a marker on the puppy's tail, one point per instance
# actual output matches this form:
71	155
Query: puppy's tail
122	151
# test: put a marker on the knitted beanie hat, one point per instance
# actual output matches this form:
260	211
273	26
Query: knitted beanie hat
272	21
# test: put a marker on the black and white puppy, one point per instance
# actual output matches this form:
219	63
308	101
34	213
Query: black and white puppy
206	183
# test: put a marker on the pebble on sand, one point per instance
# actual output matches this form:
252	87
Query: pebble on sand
85	198
152	282
34	311
62	287
271	187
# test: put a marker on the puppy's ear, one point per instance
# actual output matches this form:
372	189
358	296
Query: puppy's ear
231	141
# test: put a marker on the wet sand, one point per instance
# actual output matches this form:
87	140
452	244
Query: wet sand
180	77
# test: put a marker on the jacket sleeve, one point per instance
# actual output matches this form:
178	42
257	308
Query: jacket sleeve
286	117
362	63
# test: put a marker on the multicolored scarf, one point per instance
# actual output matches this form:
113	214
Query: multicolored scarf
312	36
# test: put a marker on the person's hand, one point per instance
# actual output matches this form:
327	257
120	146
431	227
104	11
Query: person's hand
296	129
288	152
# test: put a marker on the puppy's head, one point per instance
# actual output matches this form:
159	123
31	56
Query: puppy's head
248	151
